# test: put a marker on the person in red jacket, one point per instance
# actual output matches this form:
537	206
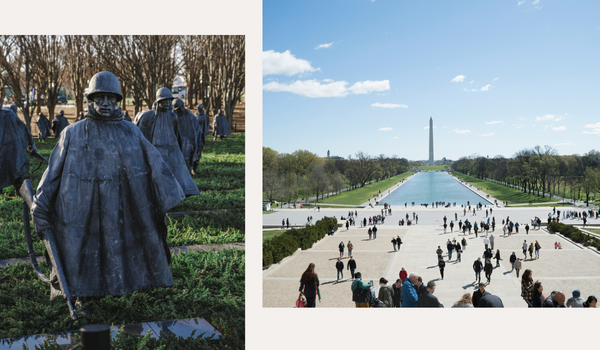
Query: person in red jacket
403	274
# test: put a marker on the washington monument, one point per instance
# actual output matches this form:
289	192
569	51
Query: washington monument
430	140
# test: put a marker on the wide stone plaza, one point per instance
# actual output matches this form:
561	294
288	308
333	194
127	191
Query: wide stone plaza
566	269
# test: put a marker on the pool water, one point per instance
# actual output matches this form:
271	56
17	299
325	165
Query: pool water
428	187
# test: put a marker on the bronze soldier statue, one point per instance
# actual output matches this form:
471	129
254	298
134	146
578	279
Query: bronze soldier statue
15	138
102	203
160	126
59	124
189	133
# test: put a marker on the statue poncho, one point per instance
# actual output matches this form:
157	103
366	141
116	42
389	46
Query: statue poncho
59	124
160	128
222	125
191	140
204	121
105	195
43	126
14	140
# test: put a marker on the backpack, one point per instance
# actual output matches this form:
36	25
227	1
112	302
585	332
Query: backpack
361	295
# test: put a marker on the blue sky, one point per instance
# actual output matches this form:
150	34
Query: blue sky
496	76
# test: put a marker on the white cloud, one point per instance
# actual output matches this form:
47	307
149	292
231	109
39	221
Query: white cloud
324	46
385	129
364	87
394	138
520	3
595	131
493	80
486	88
328	80
495	122
519	126
593	126
535	2
549	117
458	78
559	128
388	105
472	81
462	131
315	89
490	134
563	144
474	90
285	63
466	90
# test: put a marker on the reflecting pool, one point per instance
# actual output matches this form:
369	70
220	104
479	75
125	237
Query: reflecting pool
428	187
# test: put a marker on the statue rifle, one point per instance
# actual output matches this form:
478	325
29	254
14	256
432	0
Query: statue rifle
38	156
26	192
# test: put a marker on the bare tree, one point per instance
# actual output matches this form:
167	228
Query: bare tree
50	61
17	59
77	51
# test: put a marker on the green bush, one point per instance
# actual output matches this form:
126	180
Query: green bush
279	247
574	234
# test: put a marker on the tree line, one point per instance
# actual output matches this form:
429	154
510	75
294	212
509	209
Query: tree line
301	174
213	67
540	170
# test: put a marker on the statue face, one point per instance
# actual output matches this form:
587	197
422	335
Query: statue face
166	104
104	103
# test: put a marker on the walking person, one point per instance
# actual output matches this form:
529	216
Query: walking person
386	293
287	221
524	249
512	260
351	266
374	232
464	244
397	287
527	229
360	291
347	224
282	224
518	266
309	286
398	242
394	242
488	269
439	253
403	274
492	238
527	286
450	248
497	257
477	267
370	233
531	251
339	265
350	247
537	249
442	265
341	248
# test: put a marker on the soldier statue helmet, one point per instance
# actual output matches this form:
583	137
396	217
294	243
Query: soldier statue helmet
164	98
105	93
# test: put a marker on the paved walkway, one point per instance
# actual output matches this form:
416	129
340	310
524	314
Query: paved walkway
571	268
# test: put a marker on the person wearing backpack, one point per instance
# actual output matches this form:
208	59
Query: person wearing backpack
386	293
360	291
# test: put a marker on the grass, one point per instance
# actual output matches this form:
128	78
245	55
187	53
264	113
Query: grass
594	230
432	167
501	192
363	194
265	212
208	285
540	205
267	235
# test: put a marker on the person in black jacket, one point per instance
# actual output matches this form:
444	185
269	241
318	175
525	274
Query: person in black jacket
420	286
478	294
538	299
488	268
427	299
309	285
352	266
477	267
441	265
341	246
512	260
490	300
339	265
397	287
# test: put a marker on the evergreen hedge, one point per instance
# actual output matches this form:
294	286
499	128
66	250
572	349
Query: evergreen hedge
574	234
277	248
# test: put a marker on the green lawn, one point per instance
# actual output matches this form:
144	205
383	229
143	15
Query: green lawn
540	205
432	167
267	235
363	194
268	212
597	231
501	192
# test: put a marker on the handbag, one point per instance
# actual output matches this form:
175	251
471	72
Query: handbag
300	302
